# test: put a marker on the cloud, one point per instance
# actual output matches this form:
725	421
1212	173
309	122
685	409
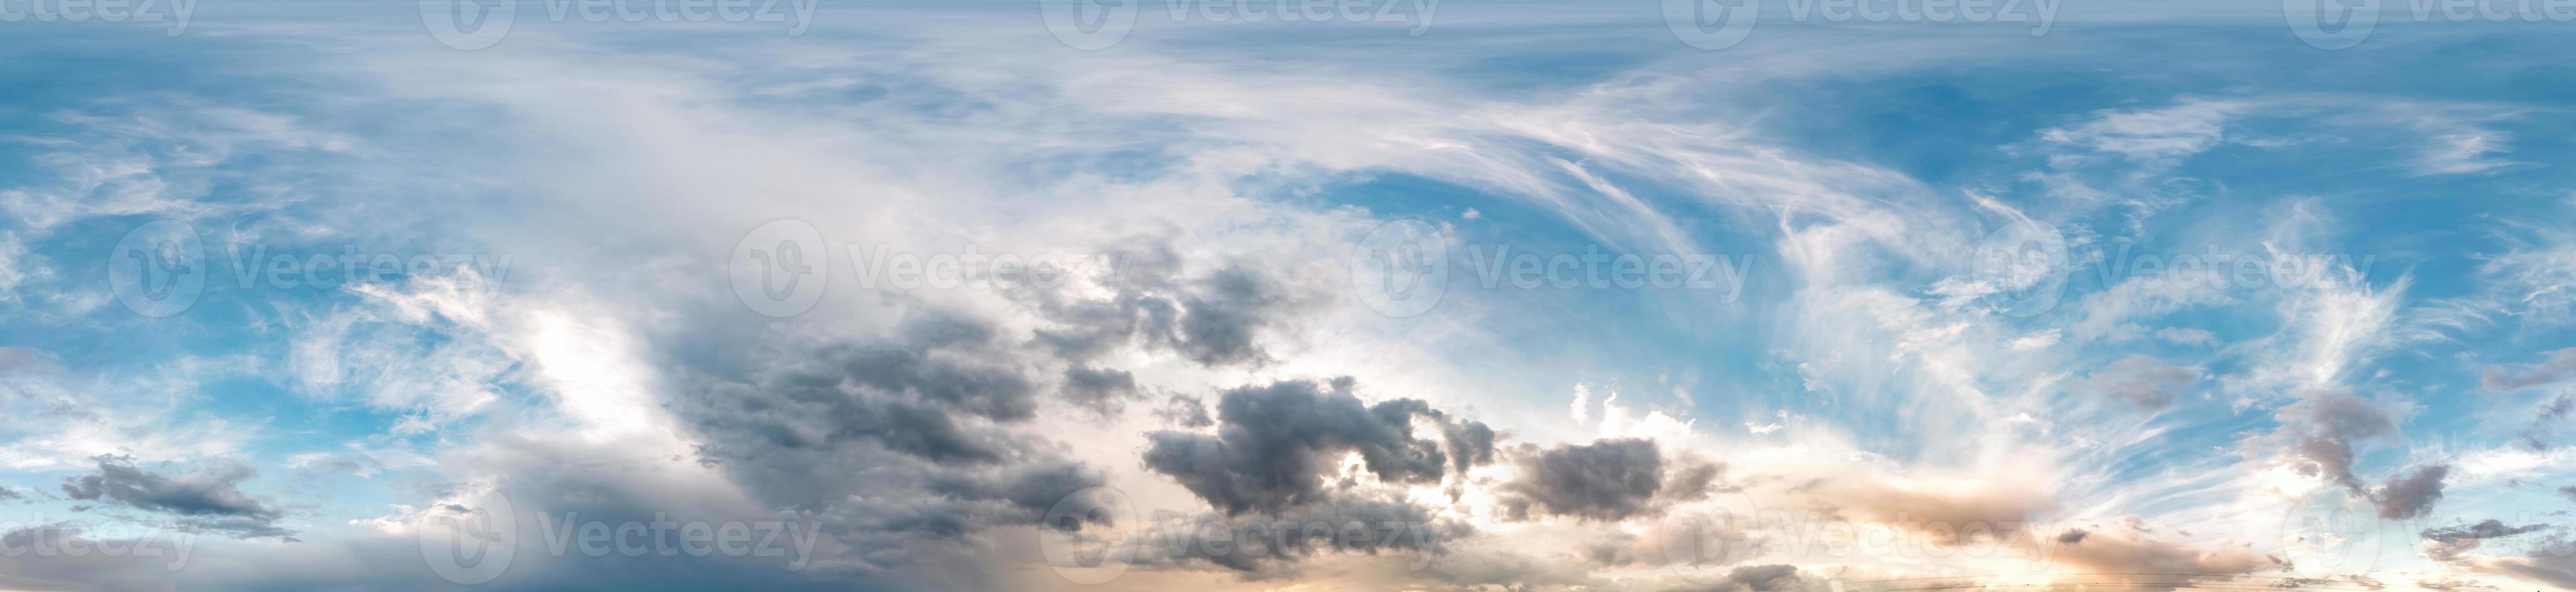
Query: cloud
1339	523
2185	128
2560	366
2324	427
1607	480
2130	551
210	500
2412	496
1100	390
1213	319
2489	529
2146	382
1764	578
1275	442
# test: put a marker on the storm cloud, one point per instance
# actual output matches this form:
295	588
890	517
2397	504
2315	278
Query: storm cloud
1274	444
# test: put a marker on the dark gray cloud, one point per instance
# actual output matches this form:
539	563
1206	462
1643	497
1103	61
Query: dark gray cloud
900	445
1603	480
2569	491
1274	444
2560	365
209	500
2489	529
2146	382
1185	411
1101	390
1213	319
2413	495
7	494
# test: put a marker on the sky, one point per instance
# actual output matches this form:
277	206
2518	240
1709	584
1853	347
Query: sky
1611	295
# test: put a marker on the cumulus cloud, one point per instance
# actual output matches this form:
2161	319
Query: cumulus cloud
2412	496
1275	443
1215	318
1602	480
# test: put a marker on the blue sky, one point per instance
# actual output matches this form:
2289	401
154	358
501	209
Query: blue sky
2133	288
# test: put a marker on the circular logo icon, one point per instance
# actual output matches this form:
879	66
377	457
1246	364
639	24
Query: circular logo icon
1075	539
2026	264
1088	24
158	269
2330	533
2331	24
1698	543
469	545
468	24
1401	269
778	268
1712	24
